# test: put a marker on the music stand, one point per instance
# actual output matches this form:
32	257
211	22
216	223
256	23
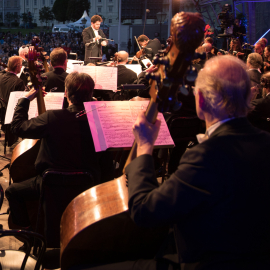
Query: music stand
95	59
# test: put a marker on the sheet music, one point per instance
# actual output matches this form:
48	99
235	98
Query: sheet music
71	64
105	78
137	68
111	124
53	101
146	63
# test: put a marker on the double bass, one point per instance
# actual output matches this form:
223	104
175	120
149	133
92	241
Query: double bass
25	153
96	226
22	164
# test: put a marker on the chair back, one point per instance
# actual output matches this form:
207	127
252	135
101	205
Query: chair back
18	260
59	188
183	130
3	106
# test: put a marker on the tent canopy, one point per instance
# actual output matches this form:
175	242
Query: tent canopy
79	22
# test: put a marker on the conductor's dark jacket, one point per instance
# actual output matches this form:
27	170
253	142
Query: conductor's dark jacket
94	49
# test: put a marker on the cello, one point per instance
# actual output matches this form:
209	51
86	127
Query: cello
96	226
25	153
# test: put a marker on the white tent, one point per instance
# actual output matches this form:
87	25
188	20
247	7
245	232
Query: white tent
79	22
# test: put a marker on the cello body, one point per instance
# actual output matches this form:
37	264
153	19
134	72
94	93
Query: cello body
24	156
104	208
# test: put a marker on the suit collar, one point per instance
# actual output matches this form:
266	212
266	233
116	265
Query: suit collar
240	123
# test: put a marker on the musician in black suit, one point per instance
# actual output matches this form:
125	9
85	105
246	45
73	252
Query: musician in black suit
92	36
125	75
56	77
153	45
9	82
66	143
218	199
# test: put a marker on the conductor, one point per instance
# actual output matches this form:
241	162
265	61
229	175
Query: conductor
92	38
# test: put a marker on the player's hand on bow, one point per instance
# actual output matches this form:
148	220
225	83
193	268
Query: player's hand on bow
33	92
145	134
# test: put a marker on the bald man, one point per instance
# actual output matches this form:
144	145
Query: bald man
125	75
218	200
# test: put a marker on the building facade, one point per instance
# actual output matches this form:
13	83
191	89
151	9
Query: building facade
107	8
9	7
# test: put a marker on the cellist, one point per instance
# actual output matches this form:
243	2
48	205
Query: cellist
66	143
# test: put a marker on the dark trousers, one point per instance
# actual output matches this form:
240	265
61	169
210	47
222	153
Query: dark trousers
17	194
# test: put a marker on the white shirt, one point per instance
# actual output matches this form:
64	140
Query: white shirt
95	31
203	137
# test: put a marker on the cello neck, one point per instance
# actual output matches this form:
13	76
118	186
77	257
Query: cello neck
40	102
151	115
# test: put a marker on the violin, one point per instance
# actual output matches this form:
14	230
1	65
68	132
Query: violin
141	51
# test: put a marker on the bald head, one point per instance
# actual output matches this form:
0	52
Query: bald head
225	86
122	57
23	51
207	47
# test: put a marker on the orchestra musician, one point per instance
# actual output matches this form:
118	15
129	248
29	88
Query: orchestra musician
218	199
66	144
125	75
9	82
92	38
22	53
151	47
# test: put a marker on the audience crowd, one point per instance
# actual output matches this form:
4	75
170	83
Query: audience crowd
70	42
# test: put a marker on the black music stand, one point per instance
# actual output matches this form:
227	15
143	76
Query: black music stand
125	91
95	59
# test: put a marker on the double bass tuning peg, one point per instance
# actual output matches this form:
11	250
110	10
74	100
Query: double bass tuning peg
191	74
153	76
161	60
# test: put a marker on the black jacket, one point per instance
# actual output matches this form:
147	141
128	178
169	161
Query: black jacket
66	140
95	48
125	75
9	82
55	78
218	199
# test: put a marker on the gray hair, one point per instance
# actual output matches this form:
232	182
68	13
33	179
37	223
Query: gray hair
225	85
23	50
255	60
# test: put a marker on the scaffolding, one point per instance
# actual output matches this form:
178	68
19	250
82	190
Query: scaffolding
257	17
